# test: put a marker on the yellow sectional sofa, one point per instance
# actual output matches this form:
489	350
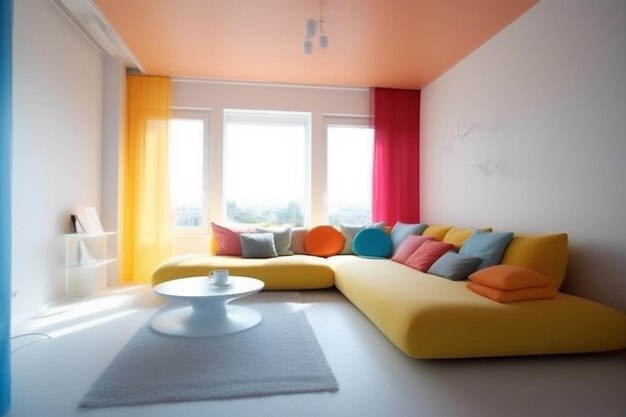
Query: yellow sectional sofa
427	316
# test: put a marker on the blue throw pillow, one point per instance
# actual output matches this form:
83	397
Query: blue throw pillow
488	246
454	266
372	243
401	231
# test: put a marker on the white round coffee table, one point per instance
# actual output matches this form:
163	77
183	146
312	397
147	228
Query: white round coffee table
208	314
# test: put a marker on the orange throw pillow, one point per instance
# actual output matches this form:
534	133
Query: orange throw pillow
323	241
509	277
509	296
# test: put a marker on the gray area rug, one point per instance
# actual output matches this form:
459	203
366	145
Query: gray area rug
279	356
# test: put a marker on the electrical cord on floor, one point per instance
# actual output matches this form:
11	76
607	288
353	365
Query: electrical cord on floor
61	309
45	337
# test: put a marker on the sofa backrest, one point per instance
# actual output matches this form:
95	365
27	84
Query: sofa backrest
437	232
543	253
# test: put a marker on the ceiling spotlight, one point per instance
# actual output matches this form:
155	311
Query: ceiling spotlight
311	31
308	46
323	41
311	28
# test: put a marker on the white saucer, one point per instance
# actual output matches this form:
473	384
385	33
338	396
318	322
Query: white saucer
230	284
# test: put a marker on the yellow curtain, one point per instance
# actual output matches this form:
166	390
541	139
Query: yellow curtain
145	217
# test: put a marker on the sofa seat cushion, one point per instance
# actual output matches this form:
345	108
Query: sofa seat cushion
426	316
282	273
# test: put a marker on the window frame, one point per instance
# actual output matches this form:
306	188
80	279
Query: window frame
358	121
270	118
205	116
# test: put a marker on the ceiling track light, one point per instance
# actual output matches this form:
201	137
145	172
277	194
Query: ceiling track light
311	31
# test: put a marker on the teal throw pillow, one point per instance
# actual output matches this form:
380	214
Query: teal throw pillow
350	232
454	266
372	243
488	246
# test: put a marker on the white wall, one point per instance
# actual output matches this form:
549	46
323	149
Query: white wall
549	92
57	122
214	97
113	124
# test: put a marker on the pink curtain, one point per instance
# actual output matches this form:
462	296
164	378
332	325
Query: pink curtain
396	156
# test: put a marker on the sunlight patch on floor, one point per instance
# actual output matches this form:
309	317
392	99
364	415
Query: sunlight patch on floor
63	331
72	314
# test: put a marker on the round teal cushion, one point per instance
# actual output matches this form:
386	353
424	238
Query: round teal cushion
372	243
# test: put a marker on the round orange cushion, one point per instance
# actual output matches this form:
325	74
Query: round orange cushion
323	241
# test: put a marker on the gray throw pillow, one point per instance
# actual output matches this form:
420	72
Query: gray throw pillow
401	231
454	266
282	240
349	232
257	245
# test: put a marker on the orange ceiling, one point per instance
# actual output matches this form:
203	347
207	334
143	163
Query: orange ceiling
390	43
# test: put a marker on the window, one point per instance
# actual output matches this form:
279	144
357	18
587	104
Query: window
350	161
188	150
266	166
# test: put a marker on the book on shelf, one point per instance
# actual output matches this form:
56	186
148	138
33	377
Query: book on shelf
85	220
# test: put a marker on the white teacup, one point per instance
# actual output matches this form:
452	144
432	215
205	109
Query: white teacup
219	277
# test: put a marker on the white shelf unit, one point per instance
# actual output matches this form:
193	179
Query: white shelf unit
86	263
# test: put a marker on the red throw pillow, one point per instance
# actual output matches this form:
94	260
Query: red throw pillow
323	241
426	255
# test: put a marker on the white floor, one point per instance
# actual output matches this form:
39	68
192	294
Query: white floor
53	370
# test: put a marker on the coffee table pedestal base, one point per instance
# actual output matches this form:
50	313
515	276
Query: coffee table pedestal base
194	321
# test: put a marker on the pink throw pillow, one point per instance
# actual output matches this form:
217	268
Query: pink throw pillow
228	241
426	255
406	248
297	240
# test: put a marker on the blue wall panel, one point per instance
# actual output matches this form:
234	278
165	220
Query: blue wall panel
6	40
